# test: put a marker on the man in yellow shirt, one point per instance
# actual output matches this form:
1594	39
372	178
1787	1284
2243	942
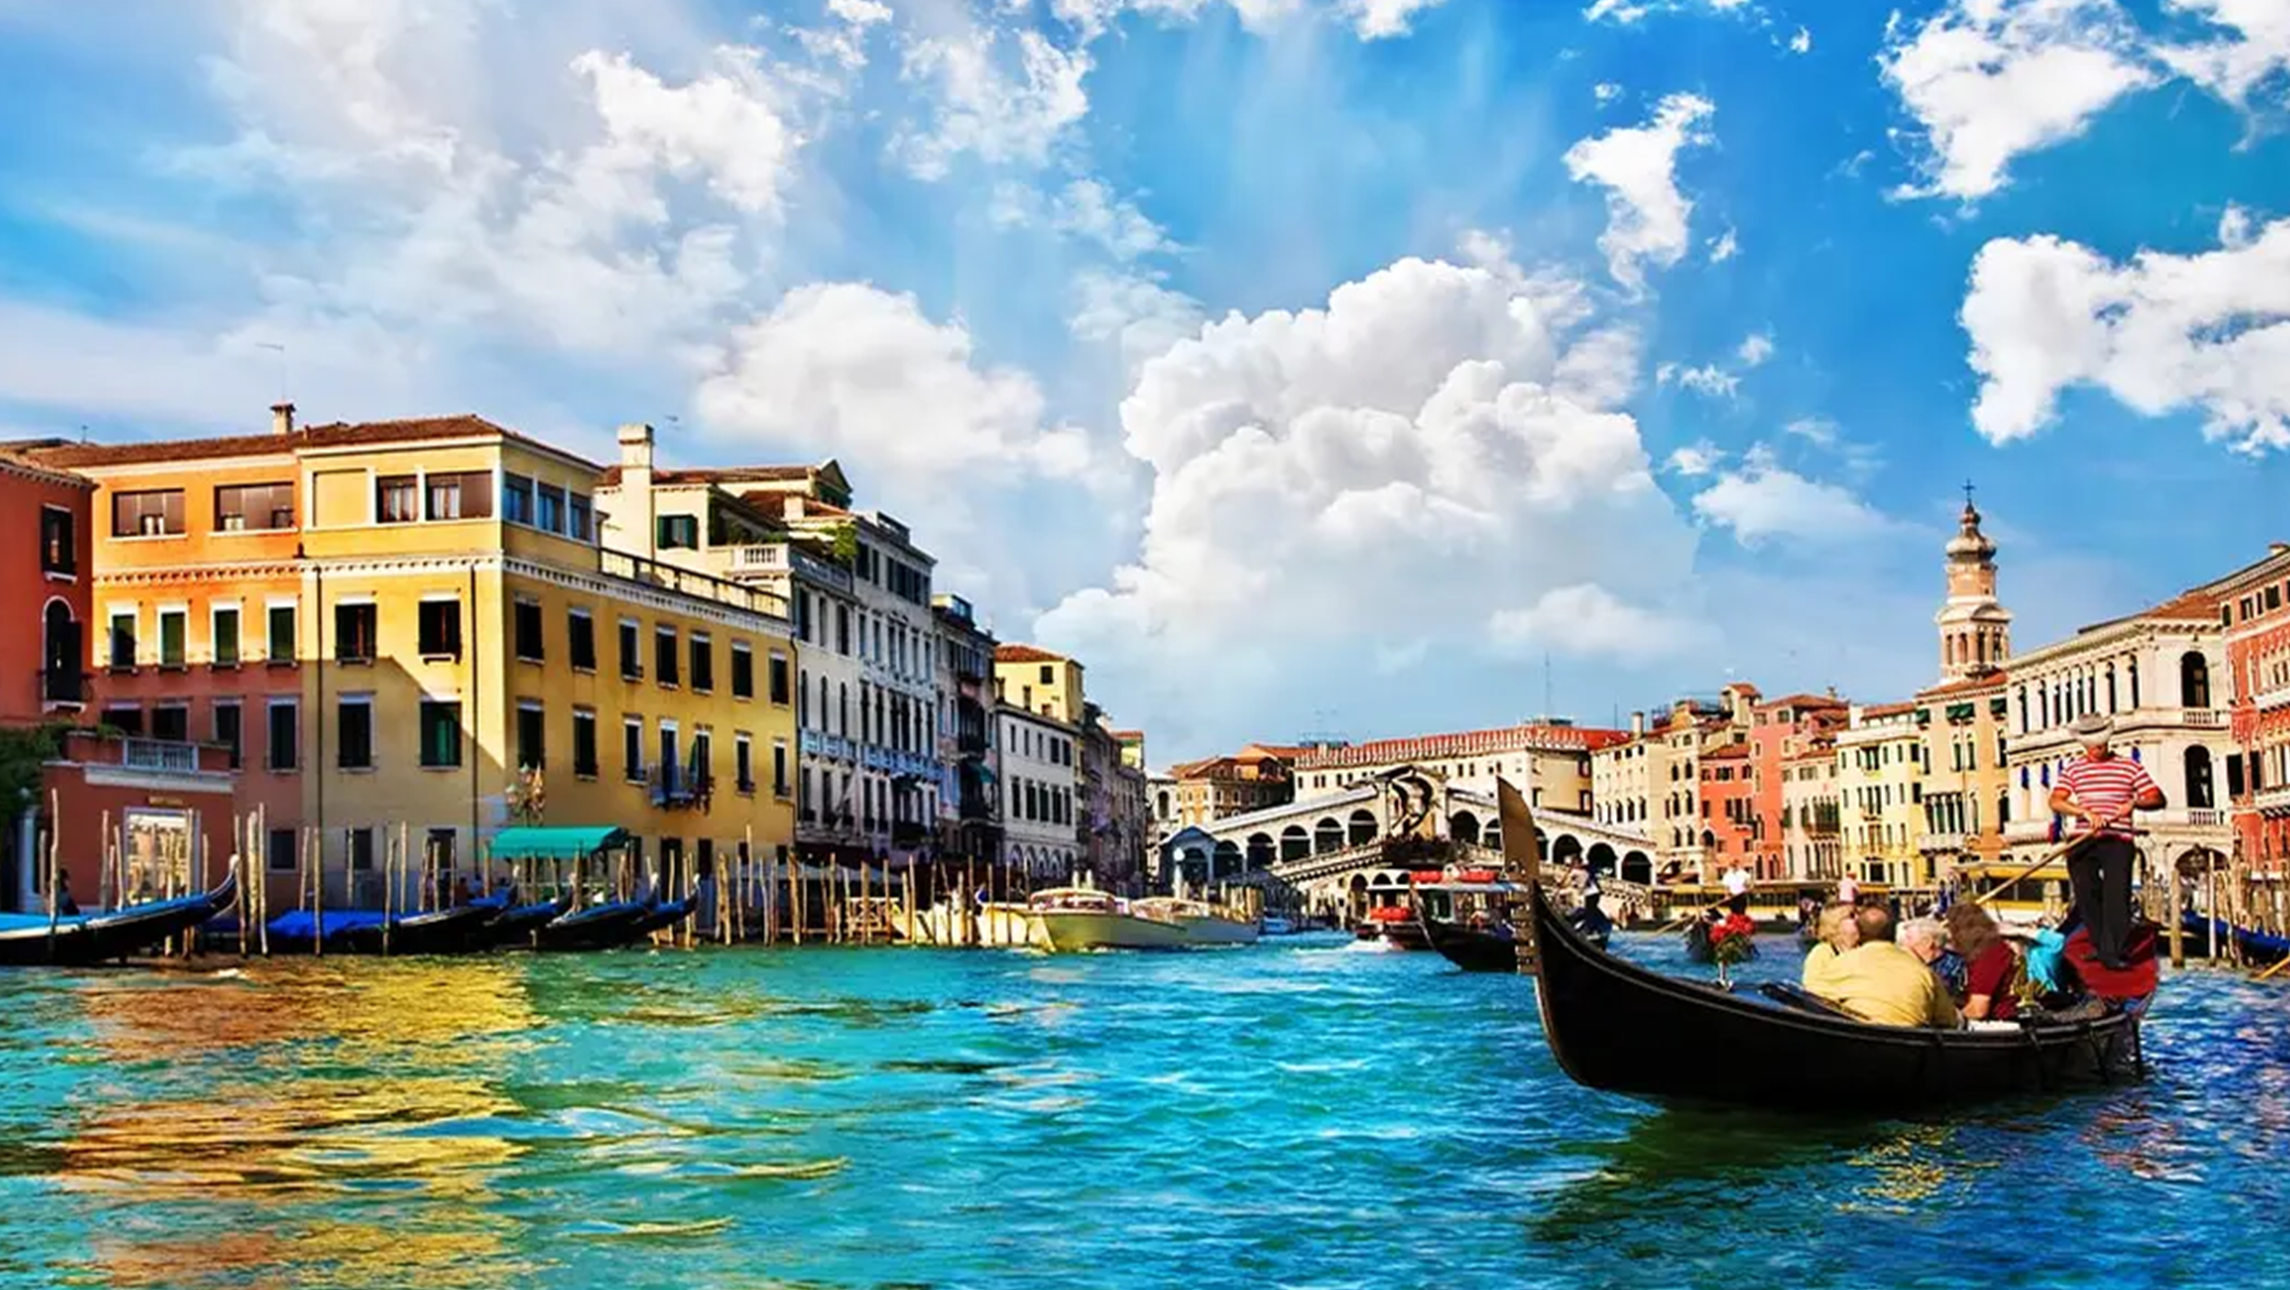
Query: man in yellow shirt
1881	982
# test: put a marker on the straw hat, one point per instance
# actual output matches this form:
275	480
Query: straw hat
2094	728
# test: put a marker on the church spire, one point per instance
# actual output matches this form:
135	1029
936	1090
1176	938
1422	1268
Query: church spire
1975	628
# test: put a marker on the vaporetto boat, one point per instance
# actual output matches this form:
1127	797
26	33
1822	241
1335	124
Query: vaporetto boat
1067	919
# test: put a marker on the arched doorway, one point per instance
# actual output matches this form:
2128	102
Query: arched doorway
1363	830
60	654
1356	896
2200	795
1327	835
1463	826
1295	843
1260	852
1637	868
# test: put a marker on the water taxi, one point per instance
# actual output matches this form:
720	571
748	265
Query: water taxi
1204	923
1066	919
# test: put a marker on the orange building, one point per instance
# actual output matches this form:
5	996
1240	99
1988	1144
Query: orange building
1777	731
1729	807
44	579
168	809
2257	620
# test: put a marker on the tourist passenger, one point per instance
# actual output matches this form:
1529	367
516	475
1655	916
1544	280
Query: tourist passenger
1884	983
1989	963
2101	790
1839	933
1737	889
1848	891
66	907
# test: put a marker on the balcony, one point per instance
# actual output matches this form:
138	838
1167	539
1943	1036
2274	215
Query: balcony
2203	718
689	582
2272	801
159	755
1931	842
780	559
675	788
2278	697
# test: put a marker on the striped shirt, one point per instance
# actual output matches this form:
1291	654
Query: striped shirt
2107	787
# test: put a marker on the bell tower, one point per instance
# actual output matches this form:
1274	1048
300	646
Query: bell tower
1975	629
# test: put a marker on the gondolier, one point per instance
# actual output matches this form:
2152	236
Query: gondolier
2100	790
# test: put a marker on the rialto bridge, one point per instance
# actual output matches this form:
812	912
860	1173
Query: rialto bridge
1332	847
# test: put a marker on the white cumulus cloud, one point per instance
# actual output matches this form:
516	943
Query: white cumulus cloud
1646	215
1762	500
1007	102
2161	333
1587	619
1991	80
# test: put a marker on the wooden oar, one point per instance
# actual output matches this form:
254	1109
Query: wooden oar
2285	962
2056	853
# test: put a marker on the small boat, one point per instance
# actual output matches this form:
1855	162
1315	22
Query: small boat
665	914
1067	919
1204	923
517	923
2256	946
454	930
81	939
1616	1026
1491	948
1275	925
596	927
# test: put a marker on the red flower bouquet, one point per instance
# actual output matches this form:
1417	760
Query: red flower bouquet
1730	939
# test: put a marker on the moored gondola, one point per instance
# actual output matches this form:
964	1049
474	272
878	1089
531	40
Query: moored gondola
1616	1026
81	939
2256	946
597	927
516	925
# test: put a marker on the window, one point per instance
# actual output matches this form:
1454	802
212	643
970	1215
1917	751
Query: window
226	635
59	543
532	749
779	769
442	848
584	743
354	732
227	731
631	651
579	516
123	638
528	631
278	852
285	751
354	632
549	515
171	722
397	499
743	764
360	843
677	531
580	633
173	626
280	647
158	513
126	720
632	749
253	507
467	496
842	629
779	679
517	499
664	655
703	758
440	733
439	628
703	663
743	671
1049	675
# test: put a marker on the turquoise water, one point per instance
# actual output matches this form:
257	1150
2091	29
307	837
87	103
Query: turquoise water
1297	1114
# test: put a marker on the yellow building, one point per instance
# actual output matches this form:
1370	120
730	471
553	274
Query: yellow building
434	595
1039	681
1880	795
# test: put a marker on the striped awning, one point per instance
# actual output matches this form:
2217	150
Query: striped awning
534	842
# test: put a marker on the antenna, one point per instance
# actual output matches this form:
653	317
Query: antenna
1546	685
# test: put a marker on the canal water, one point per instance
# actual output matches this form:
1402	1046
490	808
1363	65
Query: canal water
1296	1114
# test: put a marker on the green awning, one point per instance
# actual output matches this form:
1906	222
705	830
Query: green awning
533	842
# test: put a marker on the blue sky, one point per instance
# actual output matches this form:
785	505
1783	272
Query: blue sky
1298	364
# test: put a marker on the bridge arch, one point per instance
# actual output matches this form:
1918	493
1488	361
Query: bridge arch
1637	867
1363	827
1260	851
1327	835
1600	858
1228	857
1295	843
1463	826
1567	850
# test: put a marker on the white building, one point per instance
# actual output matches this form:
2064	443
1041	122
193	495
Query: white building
1037	754
2162	675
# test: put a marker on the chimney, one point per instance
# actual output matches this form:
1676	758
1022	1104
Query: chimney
634	534
1637	725
282	418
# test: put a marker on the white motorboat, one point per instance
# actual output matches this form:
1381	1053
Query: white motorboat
1082	918
1204	923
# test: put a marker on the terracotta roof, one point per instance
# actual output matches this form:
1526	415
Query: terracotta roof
335	435
1887	709
1025	654
1729	752
1806	701
1468	743
721	475
15	464
1128	734
1258	752
1964	685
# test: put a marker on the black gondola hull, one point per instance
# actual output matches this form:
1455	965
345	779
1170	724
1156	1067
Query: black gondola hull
104	937
1471	948
1619	1027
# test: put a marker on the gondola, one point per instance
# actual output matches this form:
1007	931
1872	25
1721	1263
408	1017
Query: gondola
517	923
2256	946
1621	1028
665	914
597	927
455	930
82	939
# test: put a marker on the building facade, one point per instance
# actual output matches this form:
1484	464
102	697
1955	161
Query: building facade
1729	806
2162	675
45	575
1812	828
1039	756
1202	792
386	624
969	795
1880	795
1551	761
2257	625
1778	731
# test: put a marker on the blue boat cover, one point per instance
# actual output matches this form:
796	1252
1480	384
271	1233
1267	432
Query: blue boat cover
39	922
535	842
301	925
